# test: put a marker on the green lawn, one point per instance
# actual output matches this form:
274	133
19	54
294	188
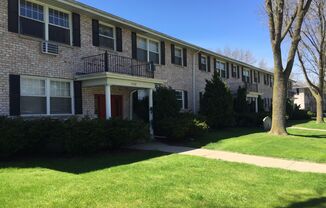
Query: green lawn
309	124
300	145
150	179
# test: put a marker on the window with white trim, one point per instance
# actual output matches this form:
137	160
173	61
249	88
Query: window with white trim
246	76
33	96
203	63
221	68
148	50
255	76
42	21
234	71
178	56
60	97
31	10
154	52
107	36
180	98
43	96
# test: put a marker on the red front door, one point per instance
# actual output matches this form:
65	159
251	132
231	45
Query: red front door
116	106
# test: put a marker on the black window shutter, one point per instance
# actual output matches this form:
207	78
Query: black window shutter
258	77
134	45
214	63
208	63
199	61
13	16
242	75
162	52
238	72
185	94
78	97
172	54
14	95
185	60
76	29
251	76
227	70
95	29
118	32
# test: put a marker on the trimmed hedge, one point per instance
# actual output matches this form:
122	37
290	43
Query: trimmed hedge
181	127
72	136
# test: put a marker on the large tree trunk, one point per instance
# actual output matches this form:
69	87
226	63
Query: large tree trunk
279	104
319	108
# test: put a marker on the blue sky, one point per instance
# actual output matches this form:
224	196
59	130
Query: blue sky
211	24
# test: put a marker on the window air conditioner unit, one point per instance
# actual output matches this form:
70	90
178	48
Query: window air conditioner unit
50	48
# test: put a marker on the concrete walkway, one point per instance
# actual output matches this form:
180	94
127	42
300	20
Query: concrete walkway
308	129
237	157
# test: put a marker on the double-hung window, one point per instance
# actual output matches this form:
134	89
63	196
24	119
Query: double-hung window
234	71
32	19
178	56
59	26
203	63
221	68
180	98
41	21
148	50
255	76
33	96
42	96
60	97
246	76
107	36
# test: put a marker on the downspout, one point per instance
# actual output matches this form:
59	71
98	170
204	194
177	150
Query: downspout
194	82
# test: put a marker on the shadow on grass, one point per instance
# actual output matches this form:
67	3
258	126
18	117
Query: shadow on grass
85	164
220	135
310	203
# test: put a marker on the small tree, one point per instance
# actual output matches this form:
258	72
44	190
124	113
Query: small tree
240	102
165	103
217	104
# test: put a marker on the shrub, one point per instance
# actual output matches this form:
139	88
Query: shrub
182	127
240	102
73	136
217	103
165	103
12	136
294	112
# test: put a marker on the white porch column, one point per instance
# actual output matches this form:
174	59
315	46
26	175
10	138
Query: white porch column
108	101
150	105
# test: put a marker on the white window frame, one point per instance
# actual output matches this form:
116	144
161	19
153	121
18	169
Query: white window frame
147	45
217	64
114	34
46	18
246	70
181	49
182	98
34	2
206	58
48	95
235	68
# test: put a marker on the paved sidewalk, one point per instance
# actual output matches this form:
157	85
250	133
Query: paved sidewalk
237	157
309	129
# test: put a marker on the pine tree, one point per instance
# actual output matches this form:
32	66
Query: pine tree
217	103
